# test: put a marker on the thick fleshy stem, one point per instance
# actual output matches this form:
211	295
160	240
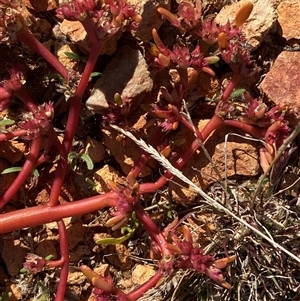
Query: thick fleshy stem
24	173
55	263
152	229
58	181
236	77
64	252
11	135
74	112
52	135
186	123
40	215
215	122
26	37
76	100
248	128
139	165
89	26
26	98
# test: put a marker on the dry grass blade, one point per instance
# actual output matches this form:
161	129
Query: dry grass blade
201	143
166	164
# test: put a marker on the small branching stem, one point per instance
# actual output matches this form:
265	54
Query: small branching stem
248	128
24	173
74	112
89	27
24	95
58	181
11	135
214	123
236	77
152	229
64	251
26	37
51	134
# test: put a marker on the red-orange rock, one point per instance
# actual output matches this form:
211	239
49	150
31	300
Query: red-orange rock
288	19
281	84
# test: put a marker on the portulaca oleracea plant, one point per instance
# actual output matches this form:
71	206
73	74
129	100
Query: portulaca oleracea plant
172	248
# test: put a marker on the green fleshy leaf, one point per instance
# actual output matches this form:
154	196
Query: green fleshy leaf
49	257
89	163
92	184
114	240
75	57
6	122
237	93
35	172
95	74
73	157
130	229
11	170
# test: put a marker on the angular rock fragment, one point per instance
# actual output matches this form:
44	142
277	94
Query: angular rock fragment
259	23
288	19
281	84
127	74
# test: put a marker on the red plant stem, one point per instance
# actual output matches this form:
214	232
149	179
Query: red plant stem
186	123
64	252
12	135
74	111
26	98
51	134
76	100
152	229
89	26
236	77
58	181
24	173
140	291
213	124
139	165
54	263
40	160
26	37
39	215
248	128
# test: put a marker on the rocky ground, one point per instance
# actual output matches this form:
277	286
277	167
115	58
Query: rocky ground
261	271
